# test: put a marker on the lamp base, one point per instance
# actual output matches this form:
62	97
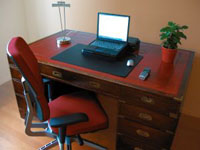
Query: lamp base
63	40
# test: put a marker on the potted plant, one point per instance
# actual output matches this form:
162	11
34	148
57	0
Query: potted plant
171	36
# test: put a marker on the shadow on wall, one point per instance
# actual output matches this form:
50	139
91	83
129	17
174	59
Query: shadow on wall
191	104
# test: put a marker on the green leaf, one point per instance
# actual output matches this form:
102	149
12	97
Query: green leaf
182	35
176	40
172	34
166	44
168	34
170	23
163	36
165	29
184	27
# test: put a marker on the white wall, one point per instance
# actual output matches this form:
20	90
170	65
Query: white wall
12	23
41	19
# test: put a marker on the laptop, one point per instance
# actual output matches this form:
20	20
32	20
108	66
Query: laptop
112	35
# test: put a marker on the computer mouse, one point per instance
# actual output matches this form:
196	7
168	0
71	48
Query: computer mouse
130	63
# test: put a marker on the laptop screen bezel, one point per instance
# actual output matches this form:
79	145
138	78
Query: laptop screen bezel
108	39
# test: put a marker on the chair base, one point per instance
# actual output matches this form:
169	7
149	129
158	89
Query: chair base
85	142
49	145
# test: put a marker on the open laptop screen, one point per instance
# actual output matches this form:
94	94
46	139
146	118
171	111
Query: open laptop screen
113	27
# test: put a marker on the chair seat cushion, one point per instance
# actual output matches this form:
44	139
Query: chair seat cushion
79	103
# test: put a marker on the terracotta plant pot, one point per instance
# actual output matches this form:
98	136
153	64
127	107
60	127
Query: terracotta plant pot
168	55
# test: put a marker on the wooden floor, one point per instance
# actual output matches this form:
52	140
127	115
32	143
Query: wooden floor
12	136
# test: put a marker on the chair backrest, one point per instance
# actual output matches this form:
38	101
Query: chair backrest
23	57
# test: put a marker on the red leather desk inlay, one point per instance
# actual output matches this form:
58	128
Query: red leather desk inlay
166	79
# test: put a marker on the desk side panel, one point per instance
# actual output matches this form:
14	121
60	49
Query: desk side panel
16	80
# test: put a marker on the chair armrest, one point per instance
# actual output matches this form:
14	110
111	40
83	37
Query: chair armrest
46	80
48	88
68	120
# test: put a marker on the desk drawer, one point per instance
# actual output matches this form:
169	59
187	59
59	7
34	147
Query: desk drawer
144	133
80	80
18	86
21	102
151	101
15	72
127	143
147	117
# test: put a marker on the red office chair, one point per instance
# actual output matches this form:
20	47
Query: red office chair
64	118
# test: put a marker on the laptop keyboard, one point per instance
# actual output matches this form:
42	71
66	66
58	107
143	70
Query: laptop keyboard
99	50
109	45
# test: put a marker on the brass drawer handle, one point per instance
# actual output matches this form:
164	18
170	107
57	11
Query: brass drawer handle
137	148
145	116
57	74
142	133
148	100
173	115
94	84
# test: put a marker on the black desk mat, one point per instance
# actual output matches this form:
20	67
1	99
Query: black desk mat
74	56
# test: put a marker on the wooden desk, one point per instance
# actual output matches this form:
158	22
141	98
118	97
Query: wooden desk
148	111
